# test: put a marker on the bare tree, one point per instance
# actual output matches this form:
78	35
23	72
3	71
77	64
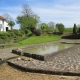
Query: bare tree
27	10
51	24
7	17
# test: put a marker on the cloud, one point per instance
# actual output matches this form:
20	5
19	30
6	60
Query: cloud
13	11
68	15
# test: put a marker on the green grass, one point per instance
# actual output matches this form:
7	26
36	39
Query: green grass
69	29
38	40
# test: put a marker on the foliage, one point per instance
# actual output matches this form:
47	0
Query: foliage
11	24
3	35
74	29
50	30
32	29
12	36
26	22
79	30
60	27
29	33
44	27
37	32
28	18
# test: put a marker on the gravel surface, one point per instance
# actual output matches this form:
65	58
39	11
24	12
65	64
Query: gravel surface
9	73
6	54
62	62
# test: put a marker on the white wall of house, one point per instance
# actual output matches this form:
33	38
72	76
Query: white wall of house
4	26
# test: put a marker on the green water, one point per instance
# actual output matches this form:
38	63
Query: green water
49	49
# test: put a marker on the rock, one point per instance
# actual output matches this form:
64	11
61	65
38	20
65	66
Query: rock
18	59
25	59
30	59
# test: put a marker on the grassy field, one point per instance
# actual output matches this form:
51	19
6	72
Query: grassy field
69	29
38	40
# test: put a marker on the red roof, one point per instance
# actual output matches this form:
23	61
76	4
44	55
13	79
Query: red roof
2	18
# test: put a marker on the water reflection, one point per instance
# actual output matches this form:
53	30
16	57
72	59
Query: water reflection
49	49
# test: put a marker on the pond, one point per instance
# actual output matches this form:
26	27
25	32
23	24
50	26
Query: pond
49	49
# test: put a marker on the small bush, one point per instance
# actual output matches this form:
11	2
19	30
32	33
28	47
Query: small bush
26	31
29	33
60	27
32	29
37	32
3	35
79	30
74	29
2	41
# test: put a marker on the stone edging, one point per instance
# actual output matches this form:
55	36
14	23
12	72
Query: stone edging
43	70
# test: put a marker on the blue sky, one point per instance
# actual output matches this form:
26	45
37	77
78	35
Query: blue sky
58	11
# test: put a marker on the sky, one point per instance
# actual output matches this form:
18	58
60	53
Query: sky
57	11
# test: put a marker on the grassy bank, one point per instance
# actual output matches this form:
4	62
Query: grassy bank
38	40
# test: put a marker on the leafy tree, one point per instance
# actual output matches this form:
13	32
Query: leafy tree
26	22
11	24
60	27
44	27
27	19
26	10
74	29
51	26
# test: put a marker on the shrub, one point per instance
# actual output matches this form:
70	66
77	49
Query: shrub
26	31
32	29
79	30
60	27
29	33
74	29
37	32
16	32
3	35
11	33
2	41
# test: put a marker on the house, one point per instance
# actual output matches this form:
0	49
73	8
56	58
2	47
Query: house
4	24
